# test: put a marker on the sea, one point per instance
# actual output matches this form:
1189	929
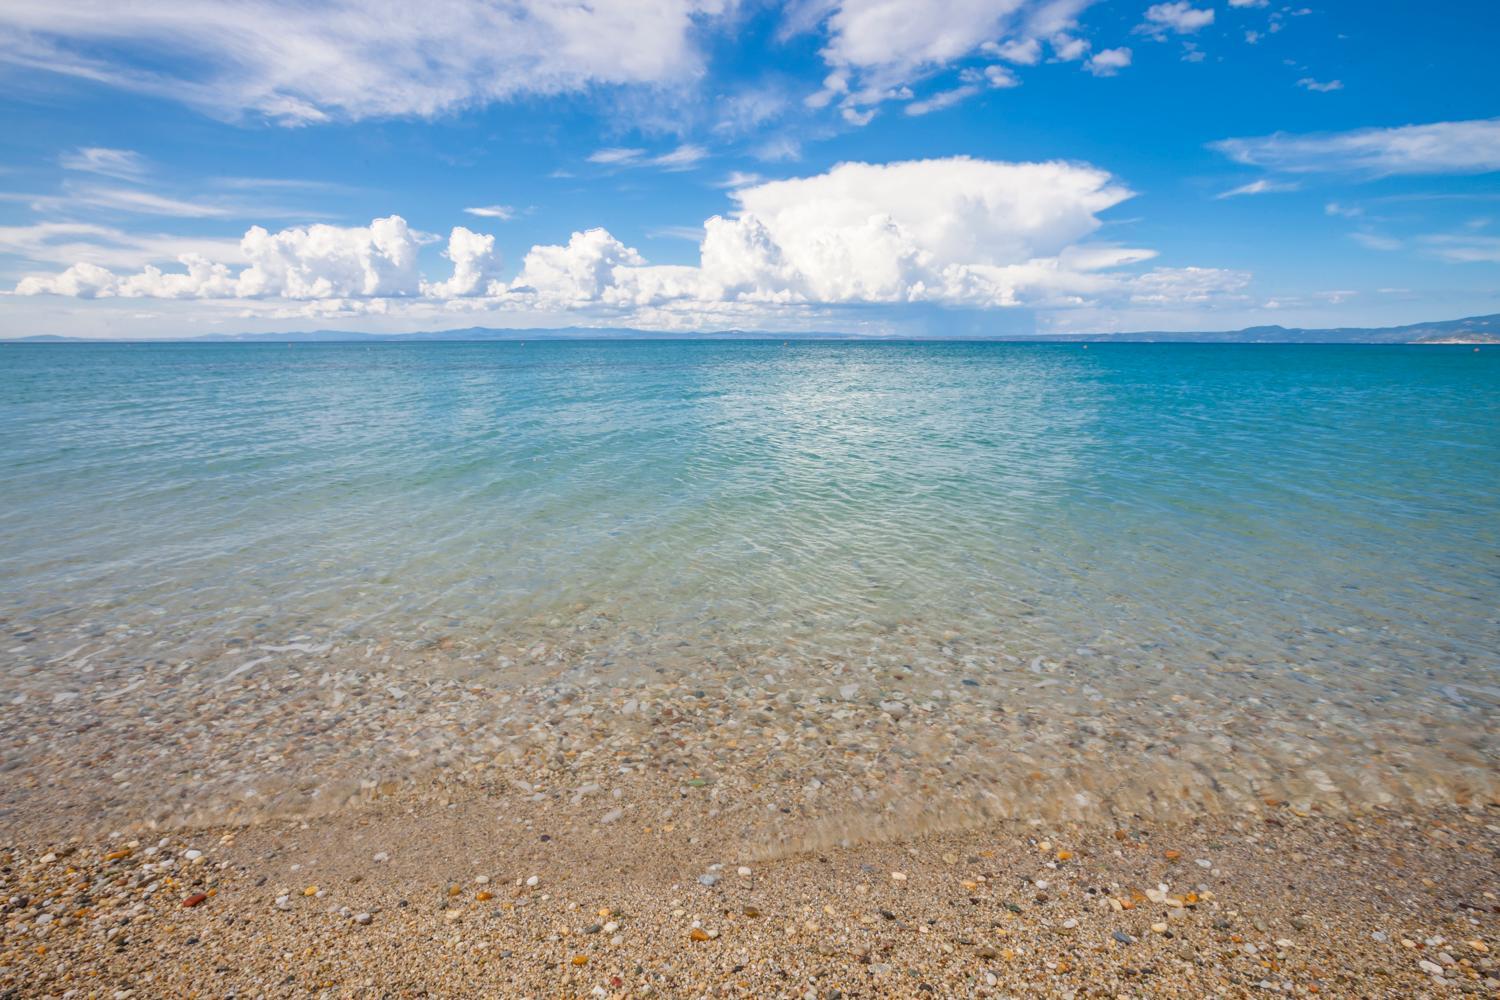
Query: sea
1301	540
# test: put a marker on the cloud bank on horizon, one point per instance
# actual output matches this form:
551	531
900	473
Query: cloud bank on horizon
707	163
955	231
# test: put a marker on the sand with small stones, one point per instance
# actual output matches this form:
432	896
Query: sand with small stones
488	889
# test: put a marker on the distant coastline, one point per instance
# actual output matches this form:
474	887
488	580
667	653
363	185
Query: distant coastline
1471	330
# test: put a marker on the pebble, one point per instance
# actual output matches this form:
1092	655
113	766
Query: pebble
361	918
708	880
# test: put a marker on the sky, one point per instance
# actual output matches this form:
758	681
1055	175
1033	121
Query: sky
881	167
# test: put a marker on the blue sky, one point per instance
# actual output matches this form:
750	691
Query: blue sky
914	167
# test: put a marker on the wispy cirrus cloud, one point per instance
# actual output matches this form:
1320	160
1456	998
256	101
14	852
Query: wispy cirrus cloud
1464	248
299	63
684	157
1456	147
122	164
879	50
1258	187
503	213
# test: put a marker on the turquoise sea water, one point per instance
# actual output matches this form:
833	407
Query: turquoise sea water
1313	515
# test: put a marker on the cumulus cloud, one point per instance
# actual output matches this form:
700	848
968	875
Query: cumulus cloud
1108	62
955	232
1180	17
580	272
1317	87
1021	51
300	63
1460	147
314	262
475	264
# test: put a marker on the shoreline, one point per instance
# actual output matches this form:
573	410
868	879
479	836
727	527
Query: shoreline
916	826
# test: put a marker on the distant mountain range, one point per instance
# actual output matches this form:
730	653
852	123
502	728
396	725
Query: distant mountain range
1473	330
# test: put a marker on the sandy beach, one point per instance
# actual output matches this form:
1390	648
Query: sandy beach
489	891
662	839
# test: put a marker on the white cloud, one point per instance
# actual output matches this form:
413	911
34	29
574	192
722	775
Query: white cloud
876	48
684	157
954	232
323	262
300	63
942	99
502	212
1461	147
122	164
1108	62
616	154
892	40
129	200
581	272
1258	187
65	243
1316	87
315	262
1069	49
1467	248
1346	211
1021	51
1189	286
1249	3
739	178
1000	78
1180	17
83	281
475	264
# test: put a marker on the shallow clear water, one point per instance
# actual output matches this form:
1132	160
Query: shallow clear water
1309	516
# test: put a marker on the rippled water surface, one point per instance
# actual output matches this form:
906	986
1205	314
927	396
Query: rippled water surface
1240	524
